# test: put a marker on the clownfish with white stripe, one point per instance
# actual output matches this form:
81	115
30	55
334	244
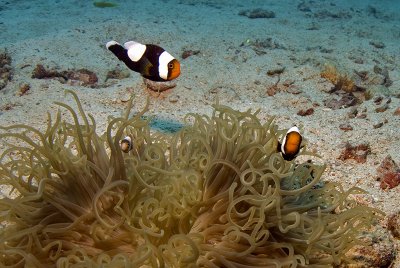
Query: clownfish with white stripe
151	61
126	144
291	144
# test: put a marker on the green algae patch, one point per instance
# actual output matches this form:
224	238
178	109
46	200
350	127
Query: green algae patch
103	4
217	193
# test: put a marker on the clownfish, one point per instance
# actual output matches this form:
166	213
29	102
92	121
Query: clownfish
151	61
291	144
126	144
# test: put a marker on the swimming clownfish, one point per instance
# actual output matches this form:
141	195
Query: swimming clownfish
126	144
151	61
291	144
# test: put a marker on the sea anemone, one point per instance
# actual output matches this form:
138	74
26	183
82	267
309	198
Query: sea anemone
215	194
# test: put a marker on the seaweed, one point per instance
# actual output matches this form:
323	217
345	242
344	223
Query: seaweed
215	194
340	81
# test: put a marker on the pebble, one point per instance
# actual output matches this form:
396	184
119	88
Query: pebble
257	13
173	98
382	108
353	112
347	100
125	97
276	71
117	74
362	116
23	89
159	86
306	112
346	127
188	53
357	152
378	125
377	44
388	173
378	100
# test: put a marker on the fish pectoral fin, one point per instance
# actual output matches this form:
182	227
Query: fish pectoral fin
145	68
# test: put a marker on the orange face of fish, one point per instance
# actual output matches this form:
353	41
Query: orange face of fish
293	141
174	69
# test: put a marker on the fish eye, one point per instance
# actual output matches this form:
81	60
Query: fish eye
170	65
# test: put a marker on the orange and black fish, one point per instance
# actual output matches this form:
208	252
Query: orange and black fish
151	61
291	144
126	144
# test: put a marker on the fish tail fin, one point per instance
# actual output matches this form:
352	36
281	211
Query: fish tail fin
119	51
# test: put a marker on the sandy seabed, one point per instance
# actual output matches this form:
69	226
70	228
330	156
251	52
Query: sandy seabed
229	56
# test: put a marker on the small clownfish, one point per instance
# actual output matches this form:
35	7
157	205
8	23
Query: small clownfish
126	144
291	144
151	61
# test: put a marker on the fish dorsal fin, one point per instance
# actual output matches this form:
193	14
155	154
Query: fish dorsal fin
135	50
128	44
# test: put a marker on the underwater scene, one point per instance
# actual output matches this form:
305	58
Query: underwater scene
200	133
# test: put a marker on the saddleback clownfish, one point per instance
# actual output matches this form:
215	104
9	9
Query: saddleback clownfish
151	61
126	144
291	144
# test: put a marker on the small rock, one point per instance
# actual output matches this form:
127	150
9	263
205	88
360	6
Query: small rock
271	91
388	173
306	112
378	125
288	82
23	89
84	76
125	97
377	44
382	108
313	27
358	60
357	152
346	127
304	7
353	112
362	116
276	71
397	111
189	52
378	100
257	13
159	86
173	98
345	101
41	73
363	75
117	74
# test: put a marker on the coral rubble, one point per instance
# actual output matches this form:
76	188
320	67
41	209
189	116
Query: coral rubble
83	77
